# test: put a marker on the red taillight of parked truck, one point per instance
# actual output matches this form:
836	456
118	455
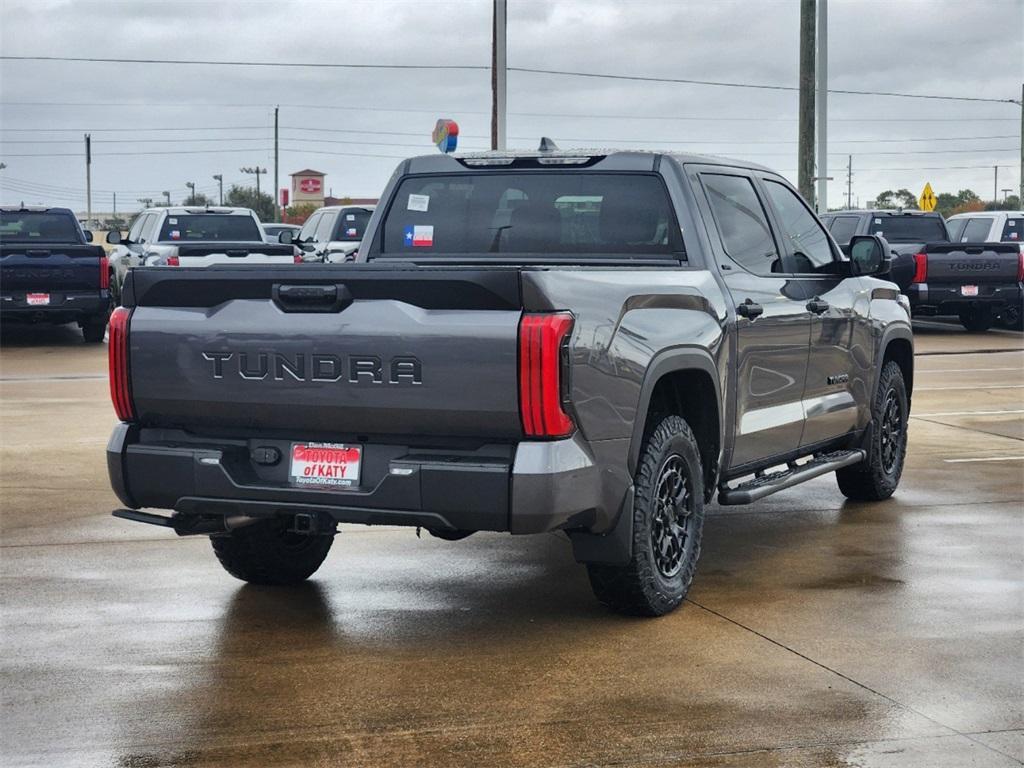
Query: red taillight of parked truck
920	268
117	356
104	273
543	374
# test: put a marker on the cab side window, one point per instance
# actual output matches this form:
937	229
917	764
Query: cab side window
742	223
956	229
325	227
811	249
309	227
136	231
976	231
843	228
149	228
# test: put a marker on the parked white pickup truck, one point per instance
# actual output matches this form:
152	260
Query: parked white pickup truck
993	227
194	237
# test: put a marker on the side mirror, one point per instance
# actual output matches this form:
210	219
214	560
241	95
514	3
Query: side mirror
869	255
114	237
88	235
287	237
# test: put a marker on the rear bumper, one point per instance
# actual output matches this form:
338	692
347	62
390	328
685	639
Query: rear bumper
64	307
531	487
946	299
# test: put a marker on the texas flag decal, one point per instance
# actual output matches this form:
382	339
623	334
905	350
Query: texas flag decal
419	236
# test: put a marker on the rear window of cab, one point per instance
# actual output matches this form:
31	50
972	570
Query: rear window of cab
553	213
209	226
1013	230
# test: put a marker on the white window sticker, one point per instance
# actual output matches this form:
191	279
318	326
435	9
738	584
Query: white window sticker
1012	223
172	221
350	217
419	202
878	221
878	233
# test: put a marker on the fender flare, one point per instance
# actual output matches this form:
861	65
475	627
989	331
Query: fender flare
672	361
890	334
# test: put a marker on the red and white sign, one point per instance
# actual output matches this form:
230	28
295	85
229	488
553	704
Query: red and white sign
310	186
329	464
284	198
37	299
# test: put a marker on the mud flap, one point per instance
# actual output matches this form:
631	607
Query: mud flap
612	548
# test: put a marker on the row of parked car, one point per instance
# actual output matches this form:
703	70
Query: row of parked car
970	267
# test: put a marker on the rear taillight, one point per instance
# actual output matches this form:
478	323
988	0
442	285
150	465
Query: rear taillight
920	268
1020	264
297	258
172	261
542	374
117	354
104	273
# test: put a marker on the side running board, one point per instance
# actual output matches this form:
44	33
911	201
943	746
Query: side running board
766	484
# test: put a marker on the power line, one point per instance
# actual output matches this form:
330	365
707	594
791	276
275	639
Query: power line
438	110
482	67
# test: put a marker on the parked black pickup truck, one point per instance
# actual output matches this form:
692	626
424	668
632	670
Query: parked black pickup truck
594	343
975	281
50	273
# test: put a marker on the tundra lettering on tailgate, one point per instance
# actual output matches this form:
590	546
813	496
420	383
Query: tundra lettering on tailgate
356	369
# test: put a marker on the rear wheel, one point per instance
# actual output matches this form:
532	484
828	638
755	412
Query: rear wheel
1013	318
877	476
668	520
268	553
94	329
976	320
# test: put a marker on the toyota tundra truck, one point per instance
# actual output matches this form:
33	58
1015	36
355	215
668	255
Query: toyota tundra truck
595	343
970	276
50	272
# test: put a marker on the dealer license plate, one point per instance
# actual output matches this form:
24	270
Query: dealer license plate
968	290
37	299
325	464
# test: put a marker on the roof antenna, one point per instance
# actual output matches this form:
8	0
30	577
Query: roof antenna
547	145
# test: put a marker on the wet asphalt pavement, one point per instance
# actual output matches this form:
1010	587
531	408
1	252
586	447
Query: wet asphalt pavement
818	632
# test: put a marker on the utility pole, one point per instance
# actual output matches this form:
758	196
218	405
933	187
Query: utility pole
192	192
995	183
256	170
805	144
1020	188
88	179
849	182
822	103
219	178
115	206
147	202
499	74
277	206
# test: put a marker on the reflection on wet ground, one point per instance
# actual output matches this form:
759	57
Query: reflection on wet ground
819	633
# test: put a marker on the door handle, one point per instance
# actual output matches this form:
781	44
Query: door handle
749	310
817	306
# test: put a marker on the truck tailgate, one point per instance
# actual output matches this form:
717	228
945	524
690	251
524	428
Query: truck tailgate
974	263
360	350
50	267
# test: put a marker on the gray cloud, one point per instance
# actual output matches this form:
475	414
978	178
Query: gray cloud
942	46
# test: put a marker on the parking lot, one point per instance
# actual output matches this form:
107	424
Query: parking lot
818	632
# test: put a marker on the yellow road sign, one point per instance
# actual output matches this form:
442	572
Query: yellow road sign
927	200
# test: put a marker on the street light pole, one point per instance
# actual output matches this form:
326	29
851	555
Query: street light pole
192	193
88	180
219	178
499	74
822	104
168	196
277	207
805	117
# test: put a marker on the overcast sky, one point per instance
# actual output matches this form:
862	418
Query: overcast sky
955	47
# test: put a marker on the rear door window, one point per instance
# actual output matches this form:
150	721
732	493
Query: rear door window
956	228
1013	230
309	227
136	231
742	223
976	231
844	228
548	213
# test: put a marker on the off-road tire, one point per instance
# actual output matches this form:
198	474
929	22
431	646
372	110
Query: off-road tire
876	478
266	553
94	329
640	587
977	320
1012	317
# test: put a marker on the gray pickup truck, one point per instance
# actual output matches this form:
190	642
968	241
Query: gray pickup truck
593	343
977	280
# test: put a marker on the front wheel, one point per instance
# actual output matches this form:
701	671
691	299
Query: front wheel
668	520
268	553
976	320
877	476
